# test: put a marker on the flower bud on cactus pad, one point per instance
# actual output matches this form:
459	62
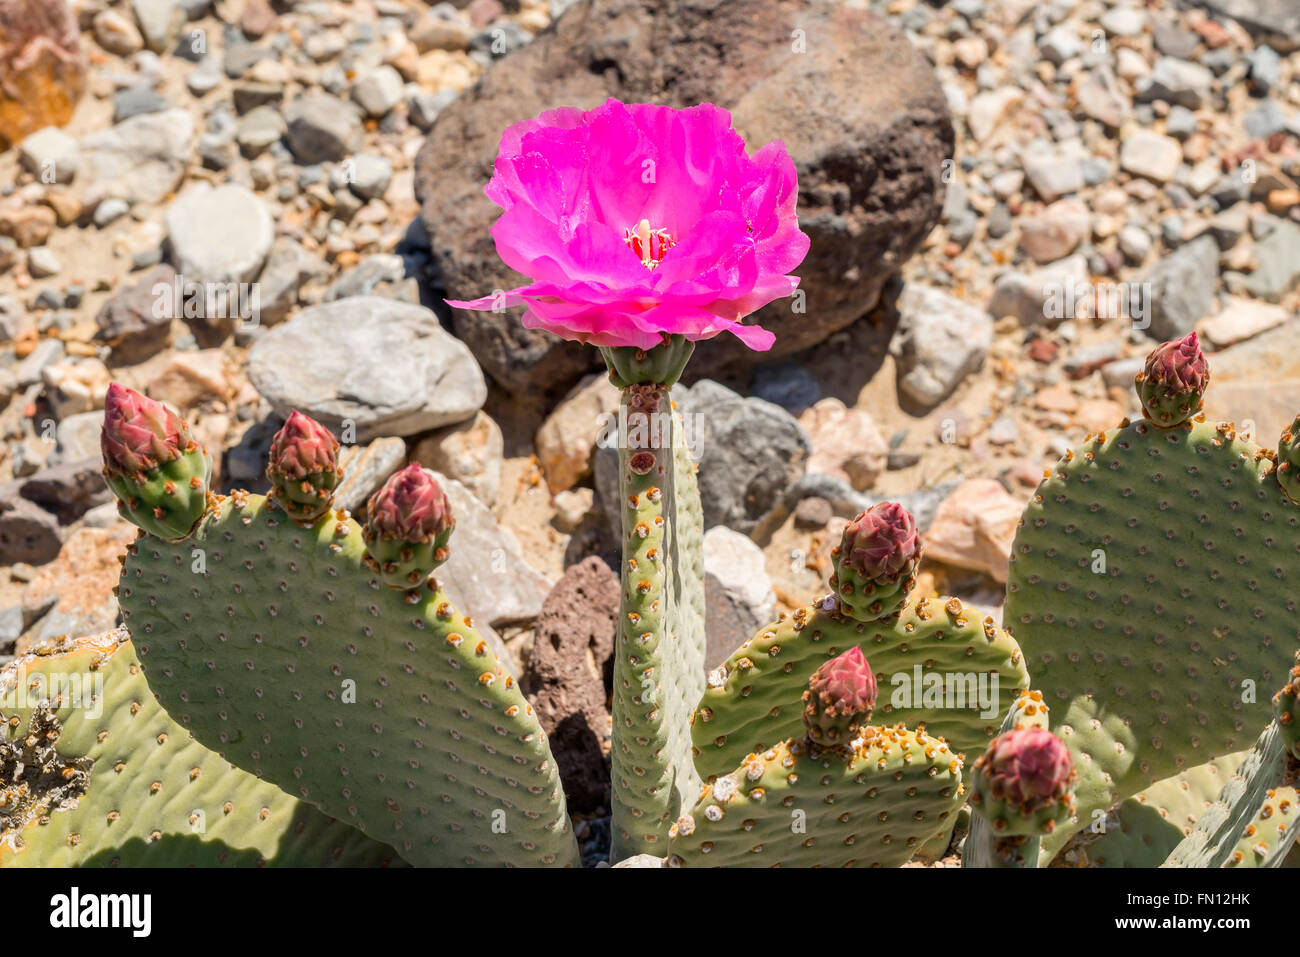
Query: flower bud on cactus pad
1023	784
839	699
1172	385
153	465
408	524
876	561
304	467
1288	461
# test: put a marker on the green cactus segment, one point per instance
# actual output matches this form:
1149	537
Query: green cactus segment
1143	830
275	645
131	788
935	663
687	520
168	500
661	365
1286	711
1288	461
1151	579
984	846
798	805
1238	812
658	661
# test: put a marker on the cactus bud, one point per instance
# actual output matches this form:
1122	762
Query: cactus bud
876	562
304	467
1288	461
1023	783
153	465
408	524
1172	385
839	699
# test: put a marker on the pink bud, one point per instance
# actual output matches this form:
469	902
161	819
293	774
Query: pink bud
303	447
1030	767
411	507
845	685
1179	365
881	543
139	433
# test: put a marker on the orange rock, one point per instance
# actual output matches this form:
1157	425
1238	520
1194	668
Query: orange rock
42	71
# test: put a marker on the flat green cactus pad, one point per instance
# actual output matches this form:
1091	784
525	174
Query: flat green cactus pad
791	806
754	698
1153	589
276	646
111	780
1143	830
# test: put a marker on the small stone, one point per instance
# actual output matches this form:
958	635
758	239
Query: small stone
1176	81
136	101
378	91
219	235
1054	232
370	175
939	341
1241	319
50	155
1182	288
365	469
1149	154
160	21
744	590
813	513
845	443
1052	174
323	128
28	533
116	34
572	506
41	262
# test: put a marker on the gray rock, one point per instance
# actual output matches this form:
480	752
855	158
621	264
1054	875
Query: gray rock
128	322
68	490
378	91
1278	263
50	155
363	278
136	101
28	533
788	385
160	21
1265	68
385	367
738	592
1182	288
46	353
288	267
939	341
219	235
323	128
749	453
1278	21
142	159
487	574
1052	175
76	438
1266	119
259	129
365	468
370	175
1175	81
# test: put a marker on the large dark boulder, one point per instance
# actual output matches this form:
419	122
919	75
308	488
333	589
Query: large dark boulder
859	109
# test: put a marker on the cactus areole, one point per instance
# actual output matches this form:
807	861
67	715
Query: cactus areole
158	472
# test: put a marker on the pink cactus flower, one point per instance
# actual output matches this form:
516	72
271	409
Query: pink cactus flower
139	433
638	221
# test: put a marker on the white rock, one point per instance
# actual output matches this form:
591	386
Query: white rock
939	341
1149	154
50	155
741	569
1242	319
219	235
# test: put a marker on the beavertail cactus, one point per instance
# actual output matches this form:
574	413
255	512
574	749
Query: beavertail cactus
1288	461
1172	385
408	524
839	699
304	467
153	465
876	561
1023	783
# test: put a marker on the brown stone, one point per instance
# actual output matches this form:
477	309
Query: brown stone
28	225
42	71
570	673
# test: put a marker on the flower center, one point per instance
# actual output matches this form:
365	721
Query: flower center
650	245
